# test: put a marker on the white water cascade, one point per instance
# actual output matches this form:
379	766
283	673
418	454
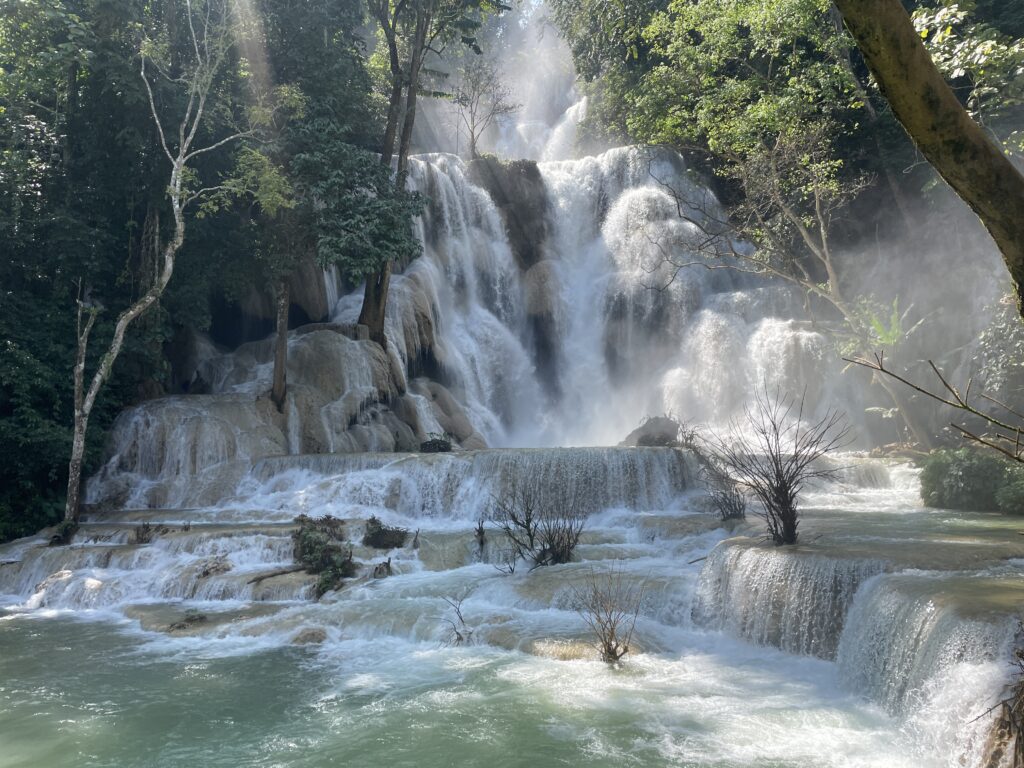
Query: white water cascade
541	314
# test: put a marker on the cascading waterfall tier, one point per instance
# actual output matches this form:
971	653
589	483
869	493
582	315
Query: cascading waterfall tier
932	648
881	590
464	486
233	550
911	631
792	599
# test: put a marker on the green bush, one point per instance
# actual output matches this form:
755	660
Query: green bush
381	536
319	548
1010	497
437	442
970	479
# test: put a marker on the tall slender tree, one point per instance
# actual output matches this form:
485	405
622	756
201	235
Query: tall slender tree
209	35
412	31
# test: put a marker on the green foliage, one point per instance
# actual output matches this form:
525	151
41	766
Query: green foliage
967	479
72	194
254	175
999	355
319	547
360	219
876	327
765	95
83	197
381	536
1010	496
984	64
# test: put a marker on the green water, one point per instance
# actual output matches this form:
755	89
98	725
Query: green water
100	693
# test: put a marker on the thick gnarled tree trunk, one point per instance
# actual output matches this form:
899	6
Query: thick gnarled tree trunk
375	296
959	149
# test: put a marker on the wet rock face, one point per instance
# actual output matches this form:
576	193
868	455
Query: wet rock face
344	396
541	288
658	431
310	636
521	197
449	414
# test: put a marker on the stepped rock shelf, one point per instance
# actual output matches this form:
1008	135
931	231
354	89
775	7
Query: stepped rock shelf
893	623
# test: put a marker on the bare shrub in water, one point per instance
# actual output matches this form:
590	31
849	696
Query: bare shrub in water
540	532
728	500
729	503
610	603
460	632
773	454
508	560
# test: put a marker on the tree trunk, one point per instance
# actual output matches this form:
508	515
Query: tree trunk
409	120
959	149
375	294
374	311
391	129
198	85
789	522
74	499
279	388
73	502
72	108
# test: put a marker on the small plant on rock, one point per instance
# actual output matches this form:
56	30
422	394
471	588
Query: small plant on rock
320	549
381	536
664	431
145	533
341	567
63	533
437	442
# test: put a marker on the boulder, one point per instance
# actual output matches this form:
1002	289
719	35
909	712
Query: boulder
656	431
310	636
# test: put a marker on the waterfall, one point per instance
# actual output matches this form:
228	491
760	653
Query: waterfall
793	600
463	486
932	649
573	348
